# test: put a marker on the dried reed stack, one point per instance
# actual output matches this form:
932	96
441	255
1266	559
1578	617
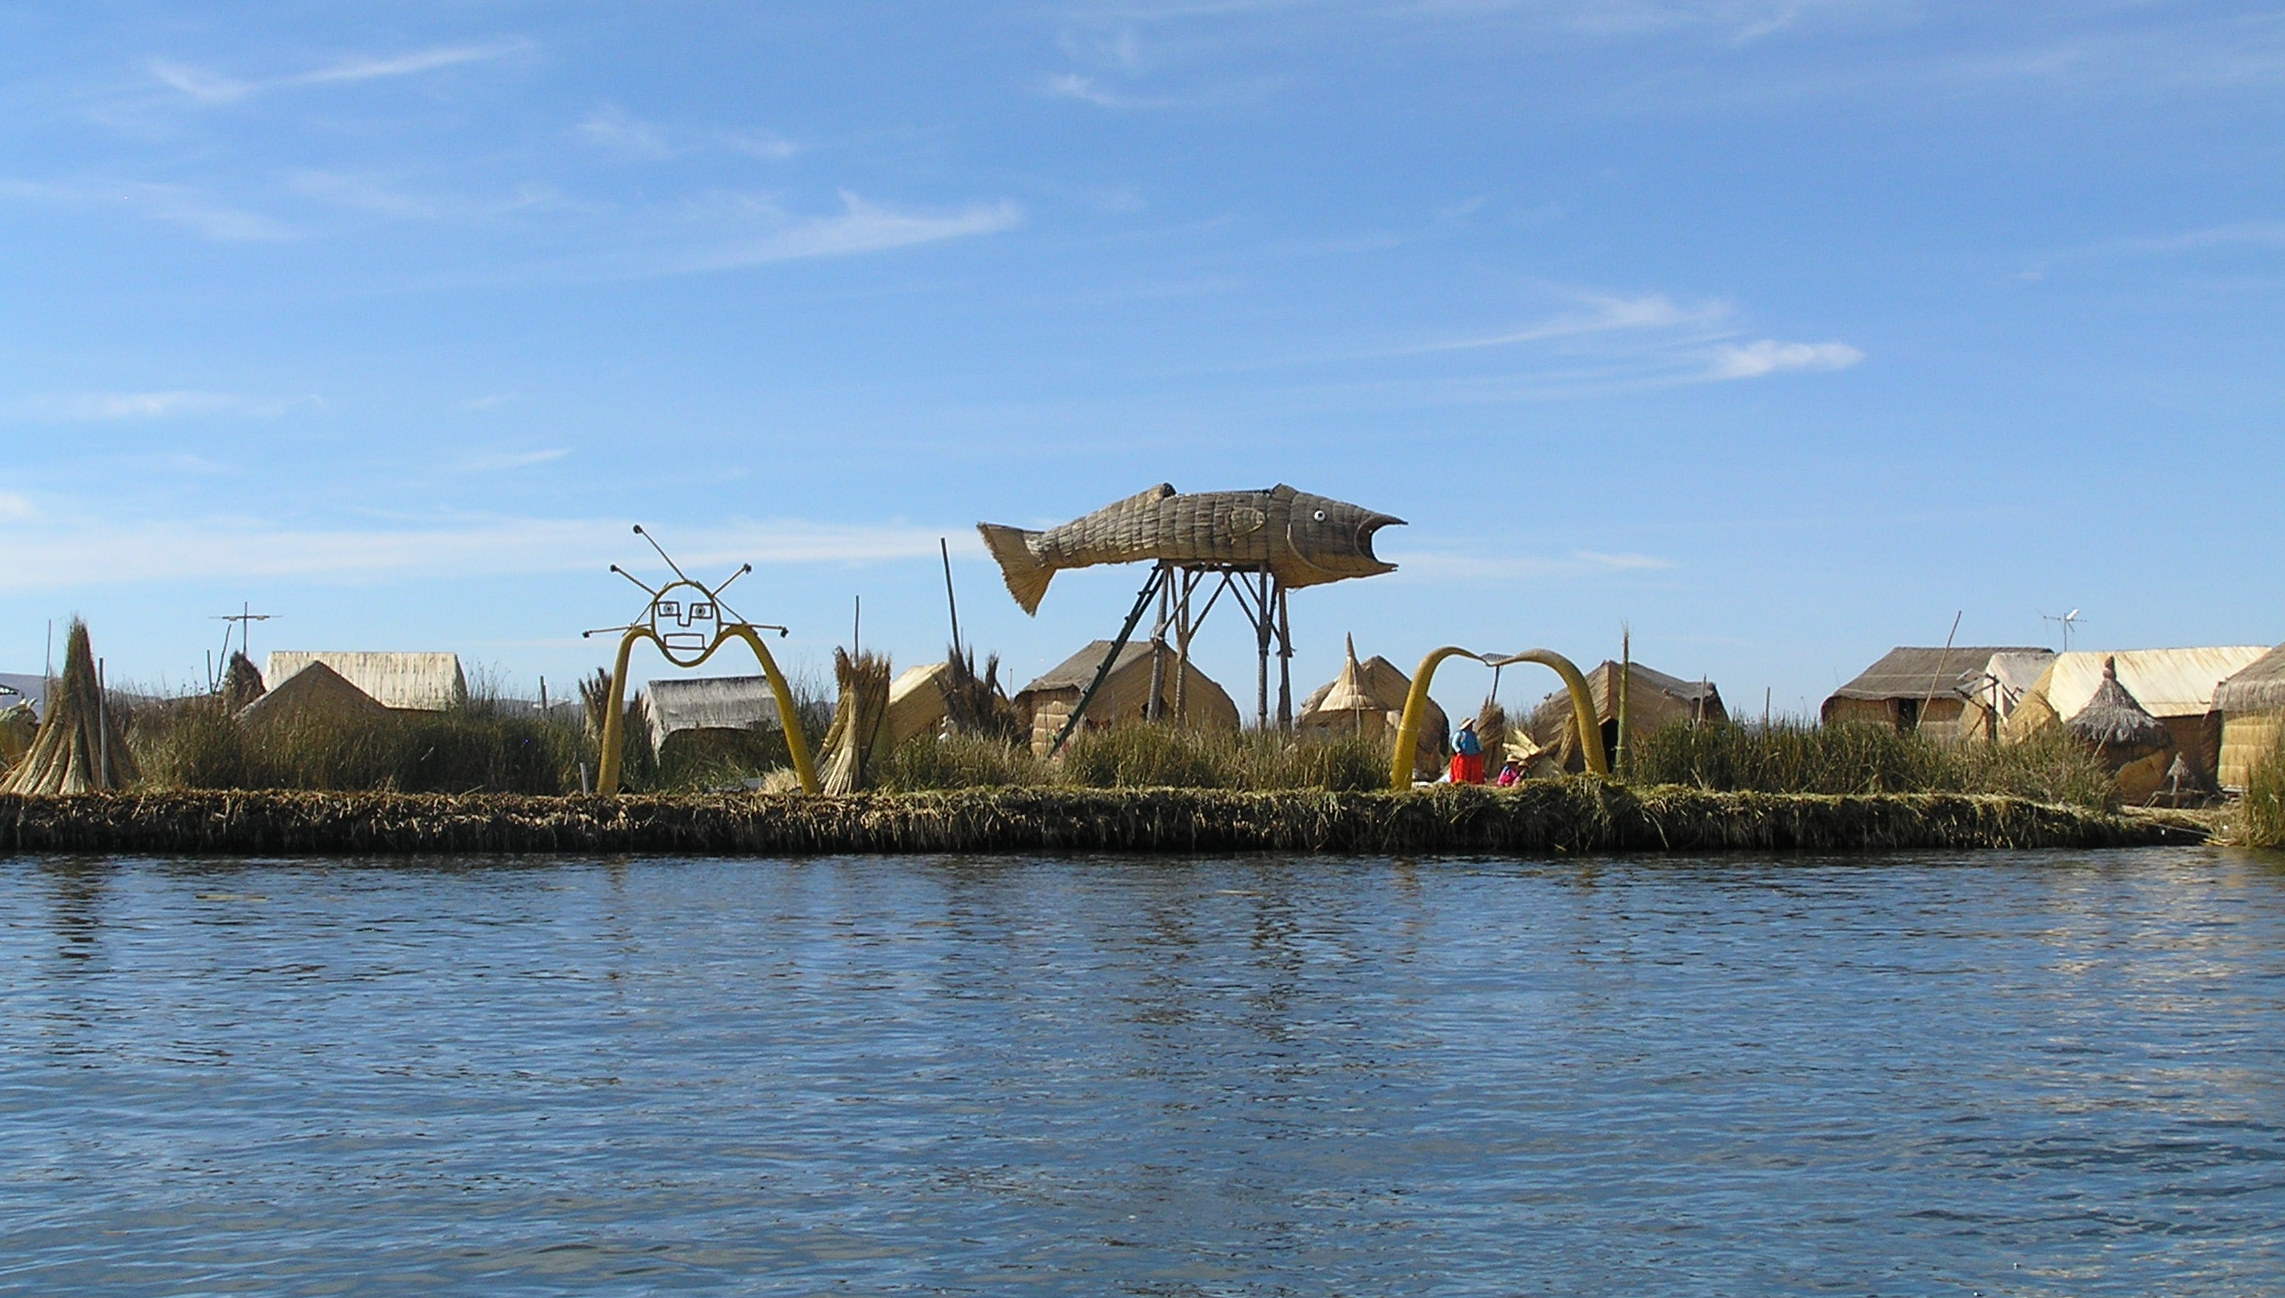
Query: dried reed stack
975	705
856	730
17	730
80	747
241	683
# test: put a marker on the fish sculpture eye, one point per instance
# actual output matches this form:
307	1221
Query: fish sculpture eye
1319	515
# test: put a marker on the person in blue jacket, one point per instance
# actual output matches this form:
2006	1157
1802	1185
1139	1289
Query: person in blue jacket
1467	755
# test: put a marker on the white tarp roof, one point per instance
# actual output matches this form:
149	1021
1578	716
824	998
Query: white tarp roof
710	703
421	682
2166	682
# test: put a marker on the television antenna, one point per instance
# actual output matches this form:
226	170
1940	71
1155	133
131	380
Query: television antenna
240	622
2066	621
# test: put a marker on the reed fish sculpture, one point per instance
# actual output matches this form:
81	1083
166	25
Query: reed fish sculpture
1303	540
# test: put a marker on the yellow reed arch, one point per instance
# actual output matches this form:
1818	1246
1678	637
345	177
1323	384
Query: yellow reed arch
1416	707
789	717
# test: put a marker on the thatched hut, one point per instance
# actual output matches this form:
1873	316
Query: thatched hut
1924	687
401	682
1046	703
1992	696
1654	700
2252	707
314	694
81	743
2136	747
1367	698
2177	686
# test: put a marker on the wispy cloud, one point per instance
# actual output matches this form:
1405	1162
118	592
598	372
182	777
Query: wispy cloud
15	506
860	227
505	461
85	552
211	87
170	204
1600	314
1462	567
104	407
1757	359
616	131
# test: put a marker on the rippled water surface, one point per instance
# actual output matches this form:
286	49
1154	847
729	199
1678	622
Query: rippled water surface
2040	1073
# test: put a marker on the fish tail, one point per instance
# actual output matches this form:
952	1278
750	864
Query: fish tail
1026	573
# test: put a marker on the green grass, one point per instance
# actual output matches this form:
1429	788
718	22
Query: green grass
1856	757
487	745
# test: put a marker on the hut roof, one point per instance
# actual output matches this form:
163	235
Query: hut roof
1603	688
16	687
315	690
422	682
1919	672
1074	672
2259	687
710	703
2166	682
2114	718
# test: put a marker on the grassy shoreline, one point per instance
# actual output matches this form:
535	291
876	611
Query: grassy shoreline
1575	815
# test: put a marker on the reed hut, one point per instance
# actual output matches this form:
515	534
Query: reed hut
1926	688
1992	696
401	682
1046	703
1367	698
2177	686
316	694
2252	707
1654	700
81	743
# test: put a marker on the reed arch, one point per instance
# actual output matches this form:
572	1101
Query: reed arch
614	725
1416	706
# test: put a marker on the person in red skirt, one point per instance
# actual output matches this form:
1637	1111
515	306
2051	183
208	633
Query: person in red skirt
1467	755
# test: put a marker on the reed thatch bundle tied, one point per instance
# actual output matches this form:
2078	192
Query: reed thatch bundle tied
858	719
18	728
81	746
2115	721
976	705
241	682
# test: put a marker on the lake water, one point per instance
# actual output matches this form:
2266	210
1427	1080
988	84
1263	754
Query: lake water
2027	1073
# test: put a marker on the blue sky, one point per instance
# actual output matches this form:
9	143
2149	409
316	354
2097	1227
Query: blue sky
1781	330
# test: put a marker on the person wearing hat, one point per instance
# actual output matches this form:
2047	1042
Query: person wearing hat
1511	773
1467	755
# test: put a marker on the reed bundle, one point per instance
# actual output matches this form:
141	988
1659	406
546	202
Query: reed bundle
856	728
2260	819
81	744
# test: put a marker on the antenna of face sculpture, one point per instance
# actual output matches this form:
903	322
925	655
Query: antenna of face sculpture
662	553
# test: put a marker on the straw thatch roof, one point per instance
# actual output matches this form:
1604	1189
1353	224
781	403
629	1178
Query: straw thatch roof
2258	687
1932	672
1367	698
2166	682
2114	719
409	682
316	692
853	739
710	703
1125	695
1654	700
241	684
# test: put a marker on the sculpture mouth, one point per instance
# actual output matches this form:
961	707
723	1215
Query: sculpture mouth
1365	532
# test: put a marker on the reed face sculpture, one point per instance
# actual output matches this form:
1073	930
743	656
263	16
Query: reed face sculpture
687	620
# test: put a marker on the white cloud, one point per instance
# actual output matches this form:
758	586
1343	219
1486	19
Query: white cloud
1754	360
103	407
506	460
1603	313
209	87
861	227
99	552
614	130
15	506
172	204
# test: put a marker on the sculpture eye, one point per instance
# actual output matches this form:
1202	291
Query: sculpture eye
1319	516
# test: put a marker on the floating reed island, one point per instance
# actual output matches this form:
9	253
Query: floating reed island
1561	816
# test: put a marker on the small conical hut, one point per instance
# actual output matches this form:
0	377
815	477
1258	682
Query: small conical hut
1367	698
1654	700
81	745
315	694
2136	746
1046	703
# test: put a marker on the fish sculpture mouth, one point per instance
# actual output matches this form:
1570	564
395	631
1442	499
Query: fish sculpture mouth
1365	532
